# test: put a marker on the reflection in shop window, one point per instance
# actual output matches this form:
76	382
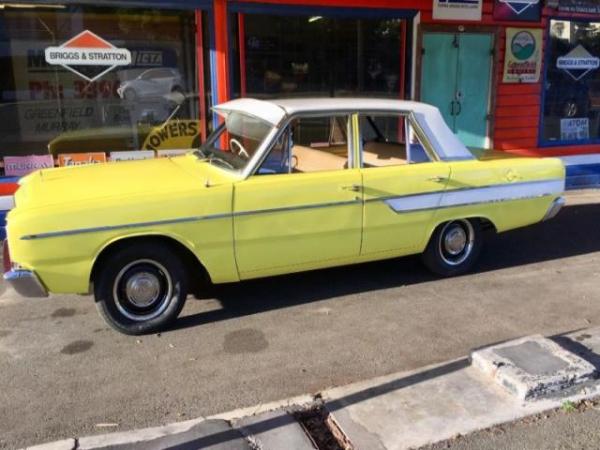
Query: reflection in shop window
52	102
572	89
300	56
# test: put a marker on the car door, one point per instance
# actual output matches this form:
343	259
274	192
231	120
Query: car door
301	210
402	187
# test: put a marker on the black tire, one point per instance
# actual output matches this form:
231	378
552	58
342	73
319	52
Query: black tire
446	253
141	288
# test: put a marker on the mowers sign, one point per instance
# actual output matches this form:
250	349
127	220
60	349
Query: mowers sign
88	56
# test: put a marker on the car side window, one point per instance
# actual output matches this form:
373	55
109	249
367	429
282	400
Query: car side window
310	144
390	140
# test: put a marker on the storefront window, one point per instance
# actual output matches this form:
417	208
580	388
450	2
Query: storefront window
313	55
99	80
571	110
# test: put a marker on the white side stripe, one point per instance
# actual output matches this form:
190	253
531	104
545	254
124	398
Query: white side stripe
489	194
415	202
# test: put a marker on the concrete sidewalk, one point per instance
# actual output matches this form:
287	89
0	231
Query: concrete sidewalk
498	384
418	408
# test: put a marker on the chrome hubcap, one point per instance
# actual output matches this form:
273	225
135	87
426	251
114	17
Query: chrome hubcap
142	289
456	242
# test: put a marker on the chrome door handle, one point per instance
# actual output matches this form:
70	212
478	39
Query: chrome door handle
352	187
437	179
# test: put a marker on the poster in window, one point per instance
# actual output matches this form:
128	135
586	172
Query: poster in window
523	58
518	10
19	166
579	6
575	129
80	159
457	9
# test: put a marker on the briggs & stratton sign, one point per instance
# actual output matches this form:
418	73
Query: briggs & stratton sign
522	10
88	55
578	62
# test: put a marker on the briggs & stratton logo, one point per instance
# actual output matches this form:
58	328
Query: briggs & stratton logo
519	6
88	55
578	62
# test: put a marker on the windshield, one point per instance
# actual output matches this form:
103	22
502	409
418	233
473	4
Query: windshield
235	142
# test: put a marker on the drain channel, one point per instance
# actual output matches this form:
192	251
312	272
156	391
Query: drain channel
320	426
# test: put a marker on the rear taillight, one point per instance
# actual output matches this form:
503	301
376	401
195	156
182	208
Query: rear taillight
6	262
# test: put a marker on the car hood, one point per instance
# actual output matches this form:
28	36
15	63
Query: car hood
84	184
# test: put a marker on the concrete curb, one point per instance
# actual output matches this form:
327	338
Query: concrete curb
533	367
133	437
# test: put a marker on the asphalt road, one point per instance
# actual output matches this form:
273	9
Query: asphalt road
63	372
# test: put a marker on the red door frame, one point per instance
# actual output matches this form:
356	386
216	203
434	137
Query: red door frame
201	80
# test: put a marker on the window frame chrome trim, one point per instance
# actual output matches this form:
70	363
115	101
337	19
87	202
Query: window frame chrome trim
282	127
409	121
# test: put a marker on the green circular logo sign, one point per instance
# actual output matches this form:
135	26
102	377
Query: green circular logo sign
523	45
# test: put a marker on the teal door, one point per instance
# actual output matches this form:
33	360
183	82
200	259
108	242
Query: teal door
455	77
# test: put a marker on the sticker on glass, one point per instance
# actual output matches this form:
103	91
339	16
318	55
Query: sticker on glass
578	62
88	55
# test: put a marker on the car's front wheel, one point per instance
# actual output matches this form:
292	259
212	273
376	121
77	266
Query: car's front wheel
454	247
140	288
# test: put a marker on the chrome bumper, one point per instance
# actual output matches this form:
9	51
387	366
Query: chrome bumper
26	283
554	208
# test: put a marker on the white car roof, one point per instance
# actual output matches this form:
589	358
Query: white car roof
445	143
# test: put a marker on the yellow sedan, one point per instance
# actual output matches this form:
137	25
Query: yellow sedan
281	186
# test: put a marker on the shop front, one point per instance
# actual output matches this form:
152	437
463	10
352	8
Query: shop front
88	82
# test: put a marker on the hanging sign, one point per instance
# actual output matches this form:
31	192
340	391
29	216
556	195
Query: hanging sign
579	6
88	55
518	10
523	58
173	134
18	166
578	62
457	9
79	159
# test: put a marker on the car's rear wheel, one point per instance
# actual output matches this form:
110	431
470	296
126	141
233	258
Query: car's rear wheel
140	288
454	247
